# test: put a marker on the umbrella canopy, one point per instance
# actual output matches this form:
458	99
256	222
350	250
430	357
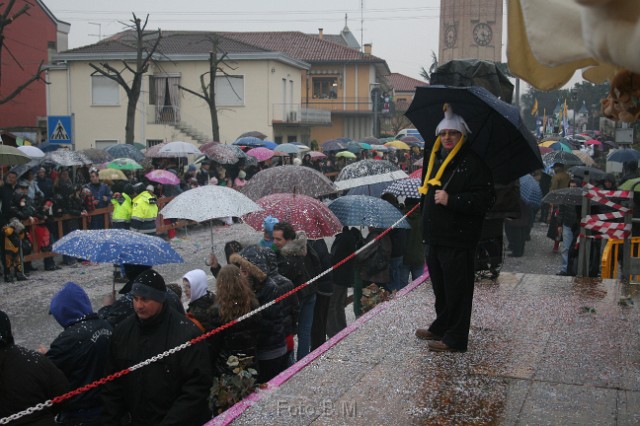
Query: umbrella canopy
21	169
566	158
584	157
117	246
398	145
31	151
593	142
559	146
123	164
571	196
582	171
410	139
96	156
225	154
304	213
404	188
288	148
316	155
269	144
498	134
375	189
203	148
346	154
416	173
260	153
301	146
164	177
66	158
111	174
249	141
177	149
623	155
12	156
152	151
48	146
364	210
366	172
530	191
124	150
208	202
288	179
333	145
544	149
254	134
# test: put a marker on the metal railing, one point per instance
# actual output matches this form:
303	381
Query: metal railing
297	114
158	114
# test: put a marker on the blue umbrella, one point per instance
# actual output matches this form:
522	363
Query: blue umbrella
364	210
249	141
333	145
124	150
269	144
117	246
498	133
405	188
623	155
48	146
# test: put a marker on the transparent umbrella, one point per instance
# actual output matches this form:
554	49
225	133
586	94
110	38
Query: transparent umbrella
67	158
178	149
97	156
124	150
31	151
367	172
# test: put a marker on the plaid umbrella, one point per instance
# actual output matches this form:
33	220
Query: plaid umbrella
530	191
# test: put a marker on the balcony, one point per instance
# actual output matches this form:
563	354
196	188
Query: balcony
360	105
169	115
295	114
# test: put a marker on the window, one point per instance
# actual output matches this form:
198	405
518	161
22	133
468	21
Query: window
153	142
104	91
325	88
229	90
152	90
292	138
278	140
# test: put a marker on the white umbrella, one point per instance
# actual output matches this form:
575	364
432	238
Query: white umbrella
178	149
207	203
32	151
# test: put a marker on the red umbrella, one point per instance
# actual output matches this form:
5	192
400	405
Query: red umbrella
593	142
260	154
316	155
302	212
544	149
416	174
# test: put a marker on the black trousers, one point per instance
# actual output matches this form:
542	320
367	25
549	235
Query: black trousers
319	325
452	278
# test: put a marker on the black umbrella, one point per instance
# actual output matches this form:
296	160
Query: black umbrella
571	196
581	171
567	158
474	72
498	133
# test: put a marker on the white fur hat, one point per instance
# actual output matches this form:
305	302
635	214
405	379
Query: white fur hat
452	121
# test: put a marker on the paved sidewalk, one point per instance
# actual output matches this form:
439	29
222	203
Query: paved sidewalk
543	350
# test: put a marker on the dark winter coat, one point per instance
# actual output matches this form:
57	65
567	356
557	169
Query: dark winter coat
291	305
469	184
122	308
414	250
171	391
80	351
291	264
239	340
199	309
325	283
345	244
271	338
375	259
27	378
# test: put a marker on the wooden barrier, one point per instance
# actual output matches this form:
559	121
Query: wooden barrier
85	220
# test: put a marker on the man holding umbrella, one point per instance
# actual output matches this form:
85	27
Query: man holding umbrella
458	189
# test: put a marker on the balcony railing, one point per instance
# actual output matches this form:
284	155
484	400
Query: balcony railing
297	114
157	114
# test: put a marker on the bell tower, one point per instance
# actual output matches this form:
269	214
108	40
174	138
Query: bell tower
470	29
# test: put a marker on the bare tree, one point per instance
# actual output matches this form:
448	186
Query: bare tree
6	19
217	64
144	56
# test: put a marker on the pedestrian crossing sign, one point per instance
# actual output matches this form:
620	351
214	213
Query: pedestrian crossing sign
59	129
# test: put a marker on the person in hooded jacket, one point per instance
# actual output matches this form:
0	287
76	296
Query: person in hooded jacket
27	378
291	249
170	391
271	350
200	298
144	210
80	352
122	205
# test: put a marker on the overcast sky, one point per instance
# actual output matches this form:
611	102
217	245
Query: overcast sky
403	32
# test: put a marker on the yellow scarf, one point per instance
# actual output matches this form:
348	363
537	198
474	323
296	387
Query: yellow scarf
432	159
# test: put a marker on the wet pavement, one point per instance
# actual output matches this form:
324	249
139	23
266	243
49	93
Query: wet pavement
543	350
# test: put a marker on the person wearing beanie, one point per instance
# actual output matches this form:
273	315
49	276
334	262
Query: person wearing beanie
267	231
80	352
173	390
27	378
458	191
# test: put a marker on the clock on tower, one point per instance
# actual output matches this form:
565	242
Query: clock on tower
482	34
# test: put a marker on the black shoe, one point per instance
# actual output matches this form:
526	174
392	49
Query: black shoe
21	277
563	274
52	268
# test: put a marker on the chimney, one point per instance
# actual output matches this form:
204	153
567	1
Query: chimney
320	32
367	48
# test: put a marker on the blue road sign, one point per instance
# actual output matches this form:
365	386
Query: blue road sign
59	129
